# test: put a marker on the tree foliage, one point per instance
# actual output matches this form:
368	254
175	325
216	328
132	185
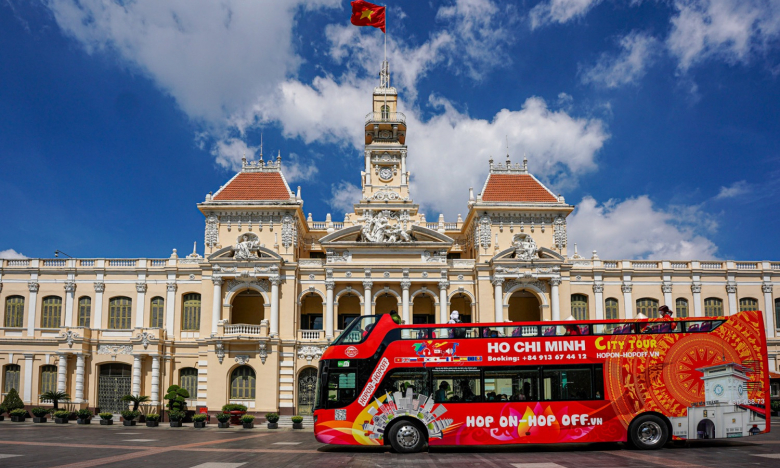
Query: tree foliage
12	401
176	397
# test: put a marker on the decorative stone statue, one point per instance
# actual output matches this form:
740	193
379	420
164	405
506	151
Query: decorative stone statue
525	247
245	247
378	229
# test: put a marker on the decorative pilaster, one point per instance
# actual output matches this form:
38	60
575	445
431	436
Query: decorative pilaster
329	285
498	296
275	280
731	289
555	301
97	320
216	304
136	382
627	287
368	285
156	380
79	396
70	290
62	372
140	288
405	285
32	311
598	292
170	308
443	313
666	288
28	375
769	310
697	309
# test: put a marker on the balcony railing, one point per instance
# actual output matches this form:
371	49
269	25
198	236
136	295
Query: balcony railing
243	329
311	335
392	117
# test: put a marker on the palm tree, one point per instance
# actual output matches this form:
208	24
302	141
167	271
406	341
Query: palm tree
55	397
136	400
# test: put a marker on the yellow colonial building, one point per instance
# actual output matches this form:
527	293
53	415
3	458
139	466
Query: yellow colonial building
247	321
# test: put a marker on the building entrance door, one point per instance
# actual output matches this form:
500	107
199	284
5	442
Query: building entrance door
307	383
114	383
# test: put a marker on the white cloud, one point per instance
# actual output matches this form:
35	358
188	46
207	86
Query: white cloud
734	190
230	151
296	170
637	52
635	229
559	11
344	195
11	254
731	30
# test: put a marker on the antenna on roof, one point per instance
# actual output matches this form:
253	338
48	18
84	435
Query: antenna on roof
243	159
261	146
507	151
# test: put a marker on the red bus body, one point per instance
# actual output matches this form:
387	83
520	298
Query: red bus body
667	374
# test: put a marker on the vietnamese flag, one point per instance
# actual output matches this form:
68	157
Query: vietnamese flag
368	14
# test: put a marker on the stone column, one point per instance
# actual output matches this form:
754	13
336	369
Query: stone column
79	396
627	301
666	288
275	280
155	379
443	313
216	304
498	296
368	167
97	319
140	288
32	308
598	294
70	290
28	375
731	289
329	285
367	297
62	372
405	285
697	309
555	299
136	383
769	311
170	308
403	168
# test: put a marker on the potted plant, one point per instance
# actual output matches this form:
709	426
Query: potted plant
176	416
200	420
152	420
18	414
236	411
13	402
297	422
106	419
247	421
176	397
129	417
39	414
273	420
61	417
55	398
84	416
224	420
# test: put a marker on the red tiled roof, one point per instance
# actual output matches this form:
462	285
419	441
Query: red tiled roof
515	188
255	186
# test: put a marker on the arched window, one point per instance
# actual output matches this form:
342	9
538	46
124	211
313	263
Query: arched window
647	306
713	307
188	380
611	308
120	311
748	303
51	312
385	112
681	307
579	306
85	311
11	377
14	311
157	312
242	383
48	379
190	317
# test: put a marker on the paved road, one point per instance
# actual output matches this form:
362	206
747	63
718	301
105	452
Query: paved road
72	446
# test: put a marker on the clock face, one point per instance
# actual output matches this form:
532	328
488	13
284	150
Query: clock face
718	390
740	389
385	173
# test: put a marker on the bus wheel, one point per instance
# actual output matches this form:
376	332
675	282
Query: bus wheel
406	437
648	432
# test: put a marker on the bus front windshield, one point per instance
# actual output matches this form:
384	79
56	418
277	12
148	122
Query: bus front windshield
357	331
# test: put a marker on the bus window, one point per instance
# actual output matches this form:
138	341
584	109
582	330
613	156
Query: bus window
342	388
661	327
567	384
598	383
403	379
613	329
566	330
703	326
414	334
456	385
454	332
521	331
357	330
512	384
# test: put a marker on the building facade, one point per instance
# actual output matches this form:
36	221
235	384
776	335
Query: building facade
247	320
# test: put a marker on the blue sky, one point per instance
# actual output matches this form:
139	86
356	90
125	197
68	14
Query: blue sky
658	119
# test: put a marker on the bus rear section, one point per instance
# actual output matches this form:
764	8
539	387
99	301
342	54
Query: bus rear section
644	382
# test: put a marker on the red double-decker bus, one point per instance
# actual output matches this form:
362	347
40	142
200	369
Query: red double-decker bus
639	381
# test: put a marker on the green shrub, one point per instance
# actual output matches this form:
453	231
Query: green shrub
297	419
776	405
176	397
129	415
176	415
106	416
200	417
12	401
247	418
18	412
272	417
84	414
55	397
40	412
136	400
234	407
152	417
223	417
62	414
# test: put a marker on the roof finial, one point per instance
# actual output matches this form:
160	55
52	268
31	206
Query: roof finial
279	159
525	162
507	151
243	159
261	146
